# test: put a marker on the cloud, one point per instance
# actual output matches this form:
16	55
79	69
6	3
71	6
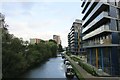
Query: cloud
40	1
40	20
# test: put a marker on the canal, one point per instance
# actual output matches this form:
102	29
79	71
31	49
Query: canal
53	68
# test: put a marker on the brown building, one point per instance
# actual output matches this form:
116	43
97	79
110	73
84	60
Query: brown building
57	39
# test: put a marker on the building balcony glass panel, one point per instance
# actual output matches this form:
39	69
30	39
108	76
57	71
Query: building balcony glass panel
86	5
72	31
96	32
98	42
98	19
95	12
89	9
83	3
72	39
72	35
73	45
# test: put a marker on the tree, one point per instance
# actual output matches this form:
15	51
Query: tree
52	41
60	49
26	43
17	58
42	41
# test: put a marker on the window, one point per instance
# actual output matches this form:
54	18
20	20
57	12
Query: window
113	24
113	12
118	25
118	13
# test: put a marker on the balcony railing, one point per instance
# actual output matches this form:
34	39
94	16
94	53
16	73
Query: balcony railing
89	9
98	42
96	32
96	20
87	2
93	14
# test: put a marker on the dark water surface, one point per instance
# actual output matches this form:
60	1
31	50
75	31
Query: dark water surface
54	68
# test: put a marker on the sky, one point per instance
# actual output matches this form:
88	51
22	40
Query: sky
41	19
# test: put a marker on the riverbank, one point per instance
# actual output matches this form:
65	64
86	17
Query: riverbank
18	58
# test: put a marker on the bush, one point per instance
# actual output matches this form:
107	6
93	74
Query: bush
17	57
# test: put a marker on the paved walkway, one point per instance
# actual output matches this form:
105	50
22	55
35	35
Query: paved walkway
88	76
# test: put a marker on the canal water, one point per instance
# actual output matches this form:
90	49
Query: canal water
54	68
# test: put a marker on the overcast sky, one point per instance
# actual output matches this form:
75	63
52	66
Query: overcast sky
41	19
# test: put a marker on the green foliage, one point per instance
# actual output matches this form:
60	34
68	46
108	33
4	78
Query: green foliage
60	49
53	41
88	68
17	57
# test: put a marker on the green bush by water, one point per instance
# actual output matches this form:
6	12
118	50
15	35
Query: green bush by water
18	56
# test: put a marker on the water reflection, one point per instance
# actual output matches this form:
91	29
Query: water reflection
52	69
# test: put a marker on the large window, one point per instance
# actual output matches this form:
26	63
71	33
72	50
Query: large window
113	12
107	58
113	25
118	13
118	25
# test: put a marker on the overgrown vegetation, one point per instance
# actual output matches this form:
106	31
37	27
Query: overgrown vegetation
18	56
88	68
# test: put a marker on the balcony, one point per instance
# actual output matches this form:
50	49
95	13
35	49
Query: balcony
98	21
89	9
83	3
95	12
72	39
104	28
86	5
98	42
72	35
72	28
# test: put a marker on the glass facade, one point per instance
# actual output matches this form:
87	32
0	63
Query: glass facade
113	24
106	60
94	13
118	25
113	12
118	13
101	37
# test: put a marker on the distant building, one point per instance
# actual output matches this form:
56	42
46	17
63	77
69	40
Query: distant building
34	41
57	39
74	37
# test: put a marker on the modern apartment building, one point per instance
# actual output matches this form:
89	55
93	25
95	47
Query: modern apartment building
74	37
69	43
57	39
101	34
